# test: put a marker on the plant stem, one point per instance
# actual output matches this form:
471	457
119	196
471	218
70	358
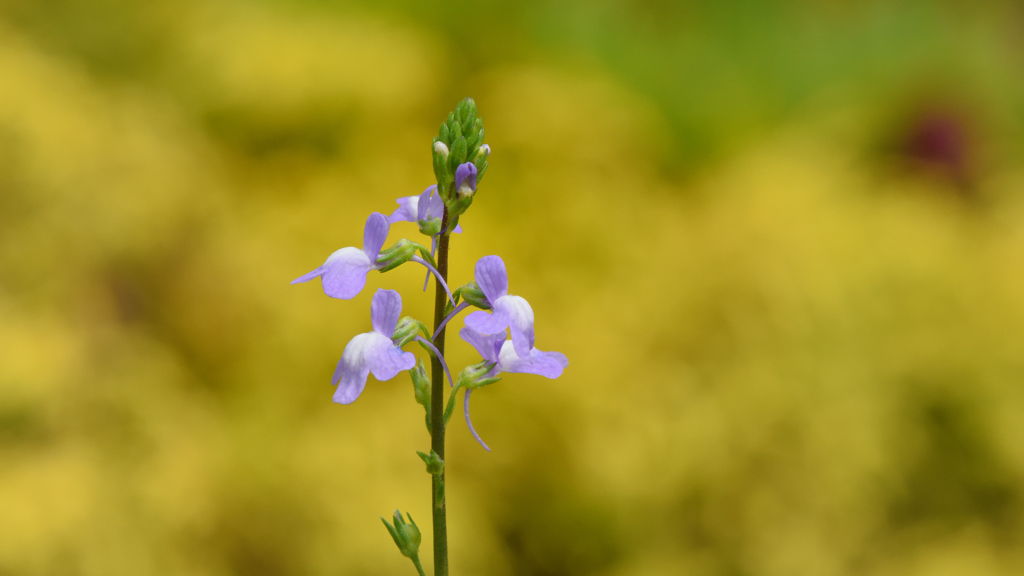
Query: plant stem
419	567
437	410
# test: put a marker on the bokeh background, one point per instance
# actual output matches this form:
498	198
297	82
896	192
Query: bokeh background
782	244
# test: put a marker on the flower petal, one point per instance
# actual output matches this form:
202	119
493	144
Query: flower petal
351	372
344	273
435	205
351	386
407	209
488	322
547	364
487	346
520	316
425	202
309	275
385	309
491	277
374	234
385	360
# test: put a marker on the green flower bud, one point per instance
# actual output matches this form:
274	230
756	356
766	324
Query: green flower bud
475	376
421	384
474	295
405	534
407	329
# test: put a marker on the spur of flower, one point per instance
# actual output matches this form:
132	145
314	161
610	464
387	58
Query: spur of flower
343	275
507	311
374	352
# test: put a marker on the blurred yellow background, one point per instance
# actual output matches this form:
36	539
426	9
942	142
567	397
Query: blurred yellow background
782	245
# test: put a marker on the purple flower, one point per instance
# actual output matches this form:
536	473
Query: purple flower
495	348
374	351
344	273
507	311
420	208
465	179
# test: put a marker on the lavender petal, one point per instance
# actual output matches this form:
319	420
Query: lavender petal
520	319
385	309
493	322
351	372
435	206
491	277
344	273
488	346
309	275
406	211
547	364
423	203
385	360
374	234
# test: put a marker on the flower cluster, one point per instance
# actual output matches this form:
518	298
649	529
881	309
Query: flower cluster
501	331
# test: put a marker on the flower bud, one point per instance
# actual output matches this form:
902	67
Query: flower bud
465	179
407	329
396	255
441	148
405	534
483	151
421	384
474	295
477	376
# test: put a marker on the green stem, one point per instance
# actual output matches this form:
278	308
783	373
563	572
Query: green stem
419	567
437	424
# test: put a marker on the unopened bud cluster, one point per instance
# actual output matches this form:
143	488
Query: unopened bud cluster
460	157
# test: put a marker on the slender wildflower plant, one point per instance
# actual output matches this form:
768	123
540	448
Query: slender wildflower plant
460	162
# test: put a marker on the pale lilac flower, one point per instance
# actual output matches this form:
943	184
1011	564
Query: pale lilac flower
507	311
494	348
344	273
374	352
465	179
497	349
423	207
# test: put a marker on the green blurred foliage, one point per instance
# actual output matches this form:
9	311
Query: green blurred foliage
781	243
